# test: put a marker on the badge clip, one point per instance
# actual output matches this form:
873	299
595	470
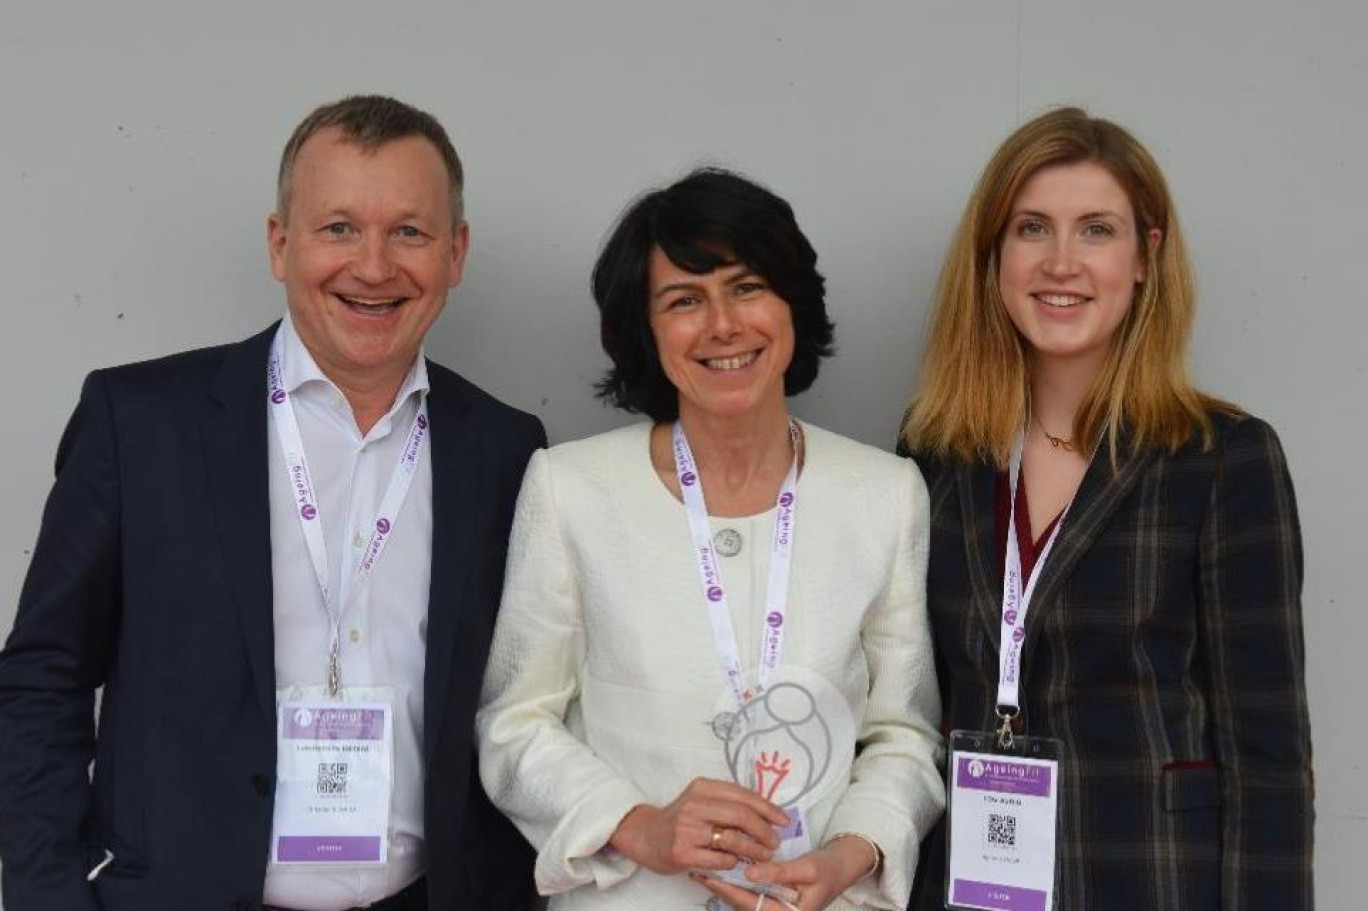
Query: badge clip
1005	737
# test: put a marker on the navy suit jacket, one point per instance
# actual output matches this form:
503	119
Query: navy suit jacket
151	578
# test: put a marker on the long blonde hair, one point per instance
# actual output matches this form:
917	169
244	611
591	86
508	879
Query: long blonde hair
974	389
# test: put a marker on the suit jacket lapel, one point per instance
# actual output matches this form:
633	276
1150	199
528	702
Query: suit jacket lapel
235	451
453	529
1100	493
977	485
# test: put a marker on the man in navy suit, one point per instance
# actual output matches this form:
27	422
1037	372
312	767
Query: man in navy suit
281	560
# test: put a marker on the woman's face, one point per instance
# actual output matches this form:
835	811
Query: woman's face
724	338
1070	260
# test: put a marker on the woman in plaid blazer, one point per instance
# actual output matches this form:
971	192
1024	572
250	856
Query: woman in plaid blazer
1163	644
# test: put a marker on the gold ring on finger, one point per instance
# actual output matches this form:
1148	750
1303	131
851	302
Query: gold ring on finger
716	840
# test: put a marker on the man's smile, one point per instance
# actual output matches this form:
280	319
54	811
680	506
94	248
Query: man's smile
369	305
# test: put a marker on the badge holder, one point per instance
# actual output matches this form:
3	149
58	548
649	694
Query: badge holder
334	778
1002	821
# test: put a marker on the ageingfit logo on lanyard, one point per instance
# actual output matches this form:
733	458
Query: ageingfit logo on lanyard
754	764
335	745
1003	813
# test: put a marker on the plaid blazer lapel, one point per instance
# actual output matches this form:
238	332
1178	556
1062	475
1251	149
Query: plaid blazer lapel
977	486
1100	493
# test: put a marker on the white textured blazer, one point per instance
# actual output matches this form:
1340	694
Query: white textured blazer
604	681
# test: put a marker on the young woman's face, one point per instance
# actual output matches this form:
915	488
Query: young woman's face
1070	261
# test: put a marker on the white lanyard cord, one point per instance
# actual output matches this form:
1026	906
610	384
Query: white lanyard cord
1016	602
306	502
714	592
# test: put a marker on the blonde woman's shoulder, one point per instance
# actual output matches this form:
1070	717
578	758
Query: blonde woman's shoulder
858	463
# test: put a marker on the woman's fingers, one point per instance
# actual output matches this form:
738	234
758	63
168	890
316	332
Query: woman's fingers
742	818
713	823
800	871
712	846
734	896
694	847
737	843
712	789
710	860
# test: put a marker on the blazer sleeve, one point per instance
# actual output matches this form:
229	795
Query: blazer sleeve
560	794
55	658
896	794
1249	593
497	859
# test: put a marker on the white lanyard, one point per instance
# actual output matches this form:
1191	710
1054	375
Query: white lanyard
306	499
1016	601
715	595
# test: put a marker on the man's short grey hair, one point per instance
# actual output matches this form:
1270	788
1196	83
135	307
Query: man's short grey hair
370	121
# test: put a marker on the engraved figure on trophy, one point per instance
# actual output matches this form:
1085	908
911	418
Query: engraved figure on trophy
778	744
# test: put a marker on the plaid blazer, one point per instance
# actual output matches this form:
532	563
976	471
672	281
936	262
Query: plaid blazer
1164	648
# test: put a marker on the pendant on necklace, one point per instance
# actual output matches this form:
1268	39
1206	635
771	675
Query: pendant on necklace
1055	442
1058	442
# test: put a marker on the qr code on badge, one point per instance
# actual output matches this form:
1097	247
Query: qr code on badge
332	778
1002	830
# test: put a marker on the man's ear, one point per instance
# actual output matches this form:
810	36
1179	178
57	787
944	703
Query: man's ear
460	246
275	244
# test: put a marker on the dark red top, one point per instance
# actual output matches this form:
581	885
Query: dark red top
1029	547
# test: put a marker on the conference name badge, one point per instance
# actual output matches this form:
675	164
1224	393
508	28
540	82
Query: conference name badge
1003	823
334	777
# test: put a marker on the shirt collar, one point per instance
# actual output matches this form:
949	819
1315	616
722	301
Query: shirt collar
298	367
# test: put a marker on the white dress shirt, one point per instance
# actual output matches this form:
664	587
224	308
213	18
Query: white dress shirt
383	623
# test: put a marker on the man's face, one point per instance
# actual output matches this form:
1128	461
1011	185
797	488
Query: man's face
367	253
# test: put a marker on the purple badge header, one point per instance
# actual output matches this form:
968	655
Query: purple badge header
1005	776
339	723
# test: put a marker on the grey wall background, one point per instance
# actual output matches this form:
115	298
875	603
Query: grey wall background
140	143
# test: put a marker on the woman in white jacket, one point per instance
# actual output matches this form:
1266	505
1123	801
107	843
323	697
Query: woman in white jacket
711	683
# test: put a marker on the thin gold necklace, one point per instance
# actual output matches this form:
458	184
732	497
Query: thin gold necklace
1055	442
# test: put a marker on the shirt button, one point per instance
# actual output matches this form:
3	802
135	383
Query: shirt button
354	635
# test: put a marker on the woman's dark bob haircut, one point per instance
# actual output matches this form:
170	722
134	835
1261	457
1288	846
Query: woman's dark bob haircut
711	218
